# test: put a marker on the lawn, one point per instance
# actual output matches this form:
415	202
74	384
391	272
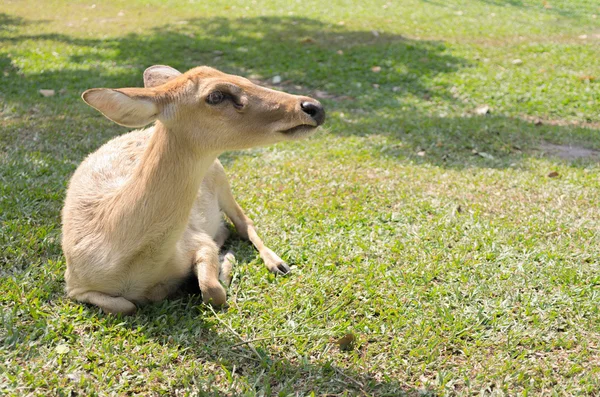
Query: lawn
447	216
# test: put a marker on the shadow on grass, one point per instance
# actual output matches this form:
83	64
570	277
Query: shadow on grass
7	21
304	51
43	139
46	138
368	77
566	9
471	141
268	372
11	23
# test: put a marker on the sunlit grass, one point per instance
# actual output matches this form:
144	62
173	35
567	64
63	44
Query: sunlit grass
462	256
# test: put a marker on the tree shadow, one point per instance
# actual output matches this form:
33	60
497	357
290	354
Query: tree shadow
40	136
8	22
270	372
303	50
471	141
566	9
377	71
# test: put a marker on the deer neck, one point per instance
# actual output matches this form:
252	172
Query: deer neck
157	201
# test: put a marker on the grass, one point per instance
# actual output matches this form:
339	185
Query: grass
432	233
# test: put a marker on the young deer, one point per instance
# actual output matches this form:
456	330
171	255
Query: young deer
144	211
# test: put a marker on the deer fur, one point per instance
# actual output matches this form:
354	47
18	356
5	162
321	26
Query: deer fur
143	212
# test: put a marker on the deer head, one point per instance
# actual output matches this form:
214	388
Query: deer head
210	110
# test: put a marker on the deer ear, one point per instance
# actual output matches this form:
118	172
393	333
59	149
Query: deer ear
131	107
159	74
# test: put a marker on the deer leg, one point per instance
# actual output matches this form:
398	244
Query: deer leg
207	269
245	228
108	304
221	236
161	290
226	268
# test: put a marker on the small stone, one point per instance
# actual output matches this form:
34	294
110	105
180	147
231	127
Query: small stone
485	155
121	14
553	174
47	93
517	62
276	79
482	110
421	153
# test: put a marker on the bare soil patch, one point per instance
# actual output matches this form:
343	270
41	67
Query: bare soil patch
567	152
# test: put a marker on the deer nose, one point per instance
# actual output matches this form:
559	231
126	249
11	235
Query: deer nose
314	110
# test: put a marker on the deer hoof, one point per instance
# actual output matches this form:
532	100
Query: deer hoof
274	263
214	294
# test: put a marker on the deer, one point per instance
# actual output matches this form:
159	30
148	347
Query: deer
145	211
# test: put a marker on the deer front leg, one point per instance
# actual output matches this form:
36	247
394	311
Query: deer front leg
273	262
207	268
245	227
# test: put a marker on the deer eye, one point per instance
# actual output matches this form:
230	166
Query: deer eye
215	97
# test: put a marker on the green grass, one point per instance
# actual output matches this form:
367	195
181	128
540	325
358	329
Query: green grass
432	233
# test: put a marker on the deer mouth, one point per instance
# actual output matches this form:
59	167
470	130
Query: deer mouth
299	129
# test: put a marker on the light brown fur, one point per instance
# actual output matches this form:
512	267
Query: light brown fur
144	211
